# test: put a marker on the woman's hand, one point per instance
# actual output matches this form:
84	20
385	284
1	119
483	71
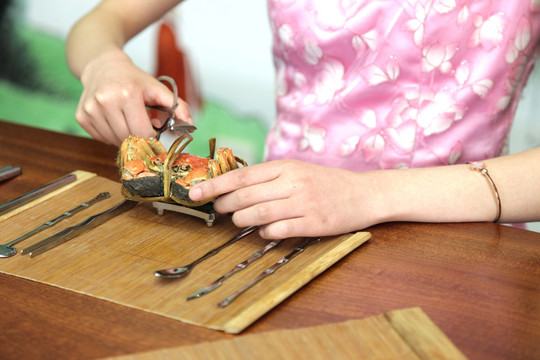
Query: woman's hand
291	198
112	105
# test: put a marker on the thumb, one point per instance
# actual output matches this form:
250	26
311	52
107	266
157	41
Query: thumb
162	96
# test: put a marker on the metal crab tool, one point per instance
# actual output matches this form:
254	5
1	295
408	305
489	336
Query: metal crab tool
173	124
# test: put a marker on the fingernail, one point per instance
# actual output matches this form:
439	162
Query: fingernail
195	194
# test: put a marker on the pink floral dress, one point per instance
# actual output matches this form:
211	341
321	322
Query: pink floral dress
367	84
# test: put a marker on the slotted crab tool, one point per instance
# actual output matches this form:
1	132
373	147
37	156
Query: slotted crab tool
73	231
173	124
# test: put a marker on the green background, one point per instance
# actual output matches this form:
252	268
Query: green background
50	99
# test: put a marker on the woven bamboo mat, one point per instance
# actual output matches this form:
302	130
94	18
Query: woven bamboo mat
398	334
116	260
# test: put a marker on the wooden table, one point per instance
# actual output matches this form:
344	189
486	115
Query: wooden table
479	282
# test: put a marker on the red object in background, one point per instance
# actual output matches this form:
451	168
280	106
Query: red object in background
172	61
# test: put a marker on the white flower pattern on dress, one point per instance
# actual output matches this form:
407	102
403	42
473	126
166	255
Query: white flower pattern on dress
371	39
482	87
349	145
455	153
374	75
313	139
329	81
398	83
313	53
462	72
488	32
438	56
463	15
416	24
285	35
444	6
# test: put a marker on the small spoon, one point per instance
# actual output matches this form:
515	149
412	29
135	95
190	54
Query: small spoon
182	271
7	250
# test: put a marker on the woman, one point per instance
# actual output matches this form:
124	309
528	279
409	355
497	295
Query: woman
364	88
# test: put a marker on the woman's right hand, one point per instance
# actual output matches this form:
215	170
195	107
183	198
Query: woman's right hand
116	92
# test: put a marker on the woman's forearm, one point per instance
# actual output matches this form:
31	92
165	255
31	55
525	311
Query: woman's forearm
108	27
294	198
457	194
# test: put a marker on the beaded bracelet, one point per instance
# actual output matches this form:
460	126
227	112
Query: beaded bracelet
481	168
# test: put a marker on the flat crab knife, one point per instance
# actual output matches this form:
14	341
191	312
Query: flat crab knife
36	193
73	231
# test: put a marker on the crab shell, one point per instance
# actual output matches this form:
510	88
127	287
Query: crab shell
141	165
200	169
149	171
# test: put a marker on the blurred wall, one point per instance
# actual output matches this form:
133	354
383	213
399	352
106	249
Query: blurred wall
229	44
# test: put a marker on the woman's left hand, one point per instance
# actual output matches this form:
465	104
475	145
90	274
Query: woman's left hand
290	198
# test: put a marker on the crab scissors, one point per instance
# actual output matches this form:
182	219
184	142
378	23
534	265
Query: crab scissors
178	127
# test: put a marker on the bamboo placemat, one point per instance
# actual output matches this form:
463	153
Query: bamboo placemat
116	260
398	334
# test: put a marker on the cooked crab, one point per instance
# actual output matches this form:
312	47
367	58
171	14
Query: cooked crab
150	172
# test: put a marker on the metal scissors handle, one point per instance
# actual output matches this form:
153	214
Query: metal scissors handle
172	123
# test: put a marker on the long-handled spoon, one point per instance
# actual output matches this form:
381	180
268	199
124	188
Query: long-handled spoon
272	269
181	271
244	264
7	250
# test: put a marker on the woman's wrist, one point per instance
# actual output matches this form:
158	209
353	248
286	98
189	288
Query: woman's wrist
104	60
372	193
